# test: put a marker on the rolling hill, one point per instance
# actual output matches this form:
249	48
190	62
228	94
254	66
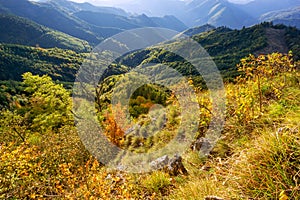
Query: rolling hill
72	7
18	30
198	29
58	63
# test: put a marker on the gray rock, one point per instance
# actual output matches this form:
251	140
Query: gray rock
160	163
173	166
201	143
213	198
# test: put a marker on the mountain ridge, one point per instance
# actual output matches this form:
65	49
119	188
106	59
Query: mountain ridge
18	30
289	17
226	52
76	21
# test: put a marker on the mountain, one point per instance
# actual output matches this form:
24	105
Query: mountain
18	30
84	21
257	8
57	63
289	17
41	13
124	23
217	13
170	22
105	20
71	7
226	46
154	7
198	30
214	12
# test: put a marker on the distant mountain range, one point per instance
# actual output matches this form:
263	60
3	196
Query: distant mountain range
83	20
77	26
289	17
214	12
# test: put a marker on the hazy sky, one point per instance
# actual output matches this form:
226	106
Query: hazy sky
119	2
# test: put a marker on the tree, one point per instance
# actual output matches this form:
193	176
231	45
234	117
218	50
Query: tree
265	67
49	104
43	106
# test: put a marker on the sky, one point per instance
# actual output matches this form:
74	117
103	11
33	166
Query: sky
122	2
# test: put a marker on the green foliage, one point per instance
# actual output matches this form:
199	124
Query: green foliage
44	106
224	45
57	63
247	101
157	181
145	97
18	30
292	37
49	103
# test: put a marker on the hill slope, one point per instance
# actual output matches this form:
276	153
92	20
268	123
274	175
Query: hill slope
17	30
71	7
225	46
57	63
198	30
42	12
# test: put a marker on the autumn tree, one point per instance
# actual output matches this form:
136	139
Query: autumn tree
44	106
265	67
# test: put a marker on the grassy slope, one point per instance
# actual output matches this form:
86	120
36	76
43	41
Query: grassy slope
259	159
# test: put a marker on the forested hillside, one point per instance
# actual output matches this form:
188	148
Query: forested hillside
58	63
17	30
84	21
225	45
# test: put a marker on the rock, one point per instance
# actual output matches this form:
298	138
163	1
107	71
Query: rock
213	198
173	166
285	130
160	163
176	166
200	144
